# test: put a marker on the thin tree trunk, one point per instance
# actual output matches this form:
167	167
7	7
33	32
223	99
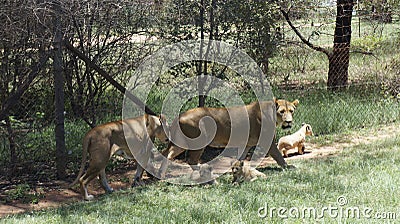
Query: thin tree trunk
61	154
200	69
12	146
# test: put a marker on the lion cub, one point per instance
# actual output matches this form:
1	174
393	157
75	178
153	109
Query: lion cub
242	172
295	140
204	175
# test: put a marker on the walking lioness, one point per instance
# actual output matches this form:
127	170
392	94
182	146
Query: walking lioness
232	127
111	138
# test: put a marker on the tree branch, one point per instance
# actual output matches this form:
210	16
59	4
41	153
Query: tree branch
363	52
14	98
103	73
303	39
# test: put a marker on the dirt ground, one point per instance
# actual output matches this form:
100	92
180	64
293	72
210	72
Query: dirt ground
56	193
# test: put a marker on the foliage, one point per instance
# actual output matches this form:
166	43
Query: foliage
391	86
253	29
367	43
23	193
115	34
381	10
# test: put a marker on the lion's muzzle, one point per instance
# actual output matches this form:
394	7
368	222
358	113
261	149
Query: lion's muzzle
286	125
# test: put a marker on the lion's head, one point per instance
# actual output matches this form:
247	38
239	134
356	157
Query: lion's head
158	126
284	112
237	167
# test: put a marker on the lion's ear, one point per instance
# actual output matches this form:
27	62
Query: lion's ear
162	118
241	162
234	162
295	102
146	118
276	102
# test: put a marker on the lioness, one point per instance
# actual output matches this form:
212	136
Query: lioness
111	138
192	124
243	172
284	112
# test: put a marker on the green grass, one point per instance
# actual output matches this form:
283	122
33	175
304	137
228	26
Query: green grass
332	113
366	175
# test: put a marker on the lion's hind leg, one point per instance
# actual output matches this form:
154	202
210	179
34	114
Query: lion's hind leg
285	152
300	149
103	181
257	174
95	168
84	181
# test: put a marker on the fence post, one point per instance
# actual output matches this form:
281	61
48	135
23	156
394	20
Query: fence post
61	158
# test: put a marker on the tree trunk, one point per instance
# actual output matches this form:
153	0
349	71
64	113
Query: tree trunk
200	70
12	147
61	154
339	59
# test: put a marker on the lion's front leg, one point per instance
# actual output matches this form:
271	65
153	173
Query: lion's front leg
285	152
277	156
137	180
142	163
194	157
171	152
244	154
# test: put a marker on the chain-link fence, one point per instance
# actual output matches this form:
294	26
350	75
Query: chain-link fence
298	65
303	65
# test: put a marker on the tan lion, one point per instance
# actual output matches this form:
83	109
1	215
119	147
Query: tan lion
295	140
111	138
204	175
243	172
193	124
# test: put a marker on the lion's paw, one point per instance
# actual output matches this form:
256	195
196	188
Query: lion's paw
89	197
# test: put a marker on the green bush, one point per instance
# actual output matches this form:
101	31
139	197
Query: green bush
23	193
367	43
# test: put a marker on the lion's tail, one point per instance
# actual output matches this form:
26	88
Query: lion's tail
85	146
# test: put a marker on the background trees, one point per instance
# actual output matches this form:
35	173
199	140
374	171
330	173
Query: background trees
340	55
